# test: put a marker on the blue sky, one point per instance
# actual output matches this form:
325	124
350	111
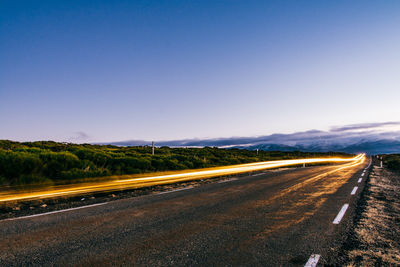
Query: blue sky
159	70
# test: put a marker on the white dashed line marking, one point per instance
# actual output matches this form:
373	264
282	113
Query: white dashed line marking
258	174
362	174
53	212
313	260
359	180
186	188
353	192
340	214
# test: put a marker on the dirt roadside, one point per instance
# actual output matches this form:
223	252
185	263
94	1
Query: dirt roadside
375	239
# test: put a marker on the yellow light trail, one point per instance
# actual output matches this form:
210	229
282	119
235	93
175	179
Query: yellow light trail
140	182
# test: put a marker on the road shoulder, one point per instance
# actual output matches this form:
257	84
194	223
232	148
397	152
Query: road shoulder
374	238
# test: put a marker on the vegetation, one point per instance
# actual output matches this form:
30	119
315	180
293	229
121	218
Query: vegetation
392	161
51	162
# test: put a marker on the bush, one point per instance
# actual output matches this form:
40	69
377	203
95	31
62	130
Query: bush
32	179
393	163
43	162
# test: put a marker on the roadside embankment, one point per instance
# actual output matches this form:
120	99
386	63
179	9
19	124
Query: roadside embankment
375	240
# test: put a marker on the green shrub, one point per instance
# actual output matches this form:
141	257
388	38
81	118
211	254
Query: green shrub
393	163
47	161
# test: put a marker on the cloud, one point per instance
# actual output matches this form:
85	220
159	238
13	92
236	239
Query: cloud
334	139
363	126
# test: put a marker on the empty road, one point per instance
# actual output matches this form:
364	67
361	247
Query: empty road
269	219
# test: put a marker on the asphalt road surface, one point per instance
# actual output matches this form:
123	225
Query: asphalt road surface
269	219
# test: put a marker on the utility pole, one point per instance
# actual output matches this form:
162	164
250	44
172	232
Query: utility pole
152	148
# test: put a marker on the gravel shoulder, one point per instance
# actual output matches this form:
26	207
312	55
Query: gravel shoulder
375	240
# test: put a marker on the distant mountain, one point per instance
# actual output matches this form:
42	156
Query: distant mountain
372	138
371	148
376	147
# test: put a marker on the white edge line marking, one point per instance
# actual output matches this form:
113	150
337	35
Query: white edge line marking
362	174
340	214
353	192
171	191
228	180
313	260
53	212
359	180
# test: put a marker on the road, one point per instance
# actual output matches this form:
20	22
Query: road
269	219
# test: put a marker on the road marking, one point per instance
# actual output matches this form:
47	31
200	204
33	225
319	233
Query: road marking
229	180
258	174
362	174
359	180
340	214
313	260
180	189
354	190
53	212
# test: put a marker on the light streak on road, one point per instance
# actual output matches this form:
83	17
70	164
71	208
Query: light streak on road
140	182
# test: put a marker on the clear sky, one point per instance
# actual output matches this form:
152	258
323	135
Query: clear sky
158	70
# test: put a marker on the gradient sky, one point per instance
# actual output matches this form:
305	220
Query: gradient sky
92	71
